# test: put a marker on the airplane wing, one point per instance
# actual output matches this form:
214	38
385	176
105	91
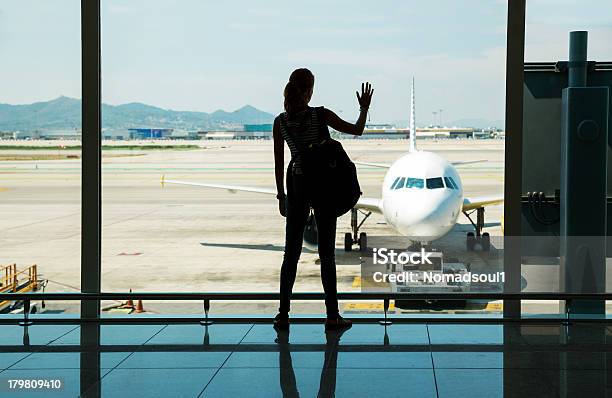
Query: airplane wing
369	204
386	166
231	188
461	163
381	165
475	203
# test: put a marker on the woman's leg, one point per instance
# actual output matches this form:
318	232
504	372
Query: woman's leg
326	227
297	214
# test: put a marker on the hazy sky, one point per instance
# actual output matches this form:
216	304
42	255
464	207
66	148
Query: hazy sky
206	55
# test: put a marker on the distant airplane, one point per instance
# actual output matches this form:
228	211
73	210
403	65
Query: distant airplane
422	197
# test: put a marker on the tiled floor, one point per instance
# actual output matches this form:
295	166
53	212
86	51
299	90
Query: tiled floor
246	360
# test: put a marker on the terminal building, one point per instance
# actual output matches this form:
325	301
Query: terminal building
150	133
445	132
390	131
248	132
258	128
50	134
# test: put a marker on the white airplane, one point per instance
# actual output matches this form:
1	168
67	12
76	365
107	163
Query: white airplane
422	197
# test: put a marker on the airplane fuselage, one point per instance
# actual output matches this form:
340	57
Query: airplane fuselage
422	196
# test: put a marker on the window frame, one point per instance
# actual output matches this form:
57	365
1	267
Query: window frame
91	152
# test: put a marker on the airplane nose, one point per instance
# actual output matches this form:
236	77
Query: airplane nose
430	212
417	215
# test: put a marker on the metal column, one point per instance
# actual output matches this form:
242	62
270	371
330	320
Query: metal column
90	358
513	165
513	169
91	165
584	146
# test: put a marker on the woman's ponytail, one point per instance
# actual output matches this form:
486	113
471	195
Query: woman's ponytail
292	97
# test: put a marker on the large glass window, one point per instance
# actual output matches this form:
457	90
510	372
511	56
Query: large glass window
549	22
190	90
548	27
40	148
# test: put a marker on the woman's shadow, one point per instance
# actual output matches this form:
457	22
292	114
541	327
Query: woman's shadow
327	384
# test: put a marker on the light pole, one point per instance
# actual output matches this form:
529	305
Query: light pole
440	113
434	113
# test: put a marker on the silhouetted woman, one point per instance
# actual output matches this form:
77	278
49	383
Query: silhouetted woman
300	126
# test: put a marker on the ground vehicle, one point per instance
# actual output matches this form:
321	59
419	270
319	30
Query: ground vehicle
429	278
13	281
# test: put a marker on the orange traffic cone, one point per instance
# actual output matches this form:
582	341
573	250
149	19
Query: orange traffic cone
139	307
129	303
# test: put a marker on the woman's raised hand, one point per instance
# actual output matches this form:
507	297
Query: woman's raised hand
366	95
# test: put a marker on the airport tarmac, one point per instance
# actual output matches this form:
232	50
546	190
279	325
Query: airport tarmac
182	238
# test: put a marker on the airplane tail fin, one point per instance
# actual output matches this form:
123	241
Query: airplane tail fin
412	138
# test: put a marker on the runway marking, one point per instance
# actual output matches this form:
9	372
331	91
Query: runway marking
120	310
367	306
494	307
357	283
43	221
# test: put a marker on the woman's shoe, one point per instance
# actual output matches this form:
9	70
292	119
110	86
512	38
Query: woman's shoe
337	323
281	321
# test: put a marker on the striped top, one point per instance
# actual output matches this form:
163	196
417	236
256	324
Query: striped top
299	131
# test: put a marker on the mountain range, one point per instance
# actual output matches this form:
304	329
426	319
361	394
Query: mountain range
65	113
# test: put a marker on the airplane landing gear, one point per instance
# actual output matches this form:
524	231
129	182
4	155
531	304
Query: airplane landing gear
484	239
348	242
356	237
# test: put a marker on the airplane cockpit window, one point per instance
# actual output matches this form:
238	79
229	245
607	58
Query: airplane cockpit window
414	183
410	182
435	183
400	183
395	183
450	183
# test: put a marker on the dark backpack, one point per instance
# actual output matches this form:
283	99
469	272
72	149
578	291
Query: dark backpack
330	174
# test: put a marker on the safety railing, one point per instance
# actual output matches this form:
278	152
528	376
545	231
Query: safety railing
7	283
207	298
13	281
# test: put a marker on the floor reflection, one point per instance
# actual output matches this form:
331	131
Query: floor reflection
327	383
246	360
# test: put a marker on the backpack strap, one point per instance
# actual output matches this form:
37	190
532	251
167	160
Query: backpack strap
323	129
